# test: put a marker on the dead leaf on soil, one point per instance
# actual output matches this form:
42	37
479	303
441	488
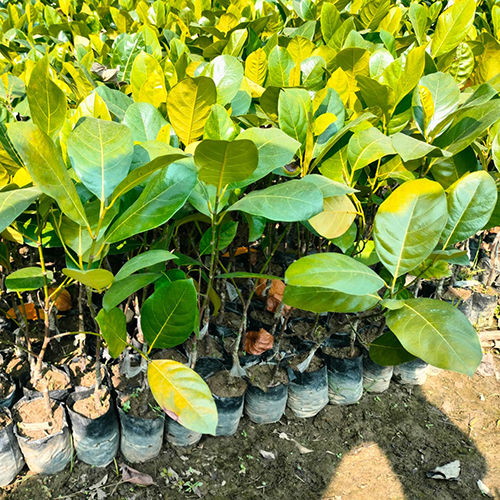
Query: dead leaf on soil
302	449
267	454
134	476
449	471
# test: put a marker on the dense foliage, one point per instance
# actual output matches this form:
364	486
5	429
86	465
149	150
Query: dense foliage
163	131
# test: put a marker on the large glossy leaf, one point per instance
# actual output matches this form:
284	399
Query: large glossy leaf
219	125
410	148
452	26
100	152
333	271
471	201
337	216
438	333
286	202
142	261
116	101
189	104
442	94
13	203
227	73
143	173
122	289
113	326
387	350
256	66
280	63
165	193
294	106
168	316
182	392
224	162
46	168
147	80
98	279
46	100
318	300
408	225
327	186
367	146
144	121
467	125
227	233
25	279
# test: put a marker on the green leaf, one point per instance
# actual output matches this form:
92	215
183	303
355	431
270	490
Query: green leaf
165	193
408	225
26	279
410	148
223	162
113	326
275	148
445	96
280	63
294	106
318	300
438	333
100	152
143	173
289	201
418	18
168	316
46	168
142	261
219	125
387	350
227	233
46	100
13	203
471	201
116	101
188	105
367	146
452	26
327	186
98	279
333	271
181	391
121	290
243	274
144	121
330	21
227	73
467	125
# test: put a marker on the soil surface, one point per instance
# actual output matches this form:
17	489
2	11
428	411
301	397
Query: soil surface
378	449
90	407
315	364
140	403
53	380
226	386
34	420
173	354
266	375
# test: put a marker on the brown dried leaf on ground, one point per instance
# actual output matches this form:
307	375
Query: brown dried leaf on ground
62	300
134	476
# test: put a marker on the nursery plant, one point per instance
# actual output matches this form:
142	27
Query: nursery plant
150	150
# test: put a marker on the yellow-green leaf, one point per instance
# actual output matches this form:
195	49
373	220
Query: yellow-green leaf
182	392
337	216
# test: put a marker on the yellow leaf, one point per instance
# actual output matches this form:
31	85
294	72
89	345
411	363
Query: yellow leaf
256	66
427	104
189	104
183	394
294	76
346	87
164	134
147	80
4	176
322	122
253	88
488	63
22	177
12	234
300	48
392	21
93	105
336	218
227	22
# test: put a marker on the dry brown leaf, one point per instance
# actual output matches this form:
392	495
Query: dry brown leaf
29	310
134	476
258	342
261	286
62	300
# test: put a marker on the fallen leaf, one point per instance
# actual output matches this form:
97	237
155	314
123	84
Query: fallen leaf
302	449
30	311
62	300
449	471
484	489
267	454
258	342
261	286
134	476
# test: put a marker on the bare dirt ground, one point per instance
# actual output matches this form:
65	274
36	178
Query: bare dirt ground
380	448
